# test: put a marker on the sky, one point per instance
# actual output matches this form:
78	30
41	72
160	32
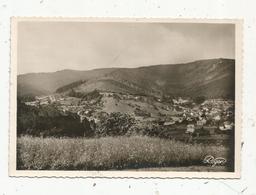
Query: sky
53	46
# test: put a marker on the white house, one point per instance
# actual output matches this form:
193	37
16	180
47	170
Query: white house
190	128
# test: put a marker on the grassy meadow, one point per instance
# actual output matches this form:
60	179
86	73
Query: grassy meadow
110	153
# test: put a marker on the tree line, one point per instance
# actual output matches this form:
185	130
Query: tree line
47	120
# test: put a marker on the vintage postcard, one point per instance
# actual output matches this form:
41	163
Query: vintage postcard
139	98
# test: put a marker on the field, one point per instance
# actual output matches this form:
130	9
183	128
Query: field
111	153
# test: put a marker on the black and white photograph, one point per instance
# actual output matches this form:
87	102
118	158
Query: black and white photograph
125	96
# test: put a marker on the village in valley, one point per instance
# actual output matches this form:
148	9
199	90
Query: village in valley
210	119
126	96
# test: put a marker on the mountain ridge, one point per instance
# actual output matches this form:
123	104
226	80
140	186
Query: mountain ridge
212	77
145	66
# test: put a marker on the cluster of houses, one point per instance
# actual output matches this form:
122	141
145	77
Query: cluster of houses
212	115
42	100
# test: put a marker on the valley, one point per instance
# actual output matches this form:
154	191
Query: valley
190	107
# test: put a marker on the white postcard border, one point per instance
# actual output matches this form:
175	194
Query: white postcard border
125	174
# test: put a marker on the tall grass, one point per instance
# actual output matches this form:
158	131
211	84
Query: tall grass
35	153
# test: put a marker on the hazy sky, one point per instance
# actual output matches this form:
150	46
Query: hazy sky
52	46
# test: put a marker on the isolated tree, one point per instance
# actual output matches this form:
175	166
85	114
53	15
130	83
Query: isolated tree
115	124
